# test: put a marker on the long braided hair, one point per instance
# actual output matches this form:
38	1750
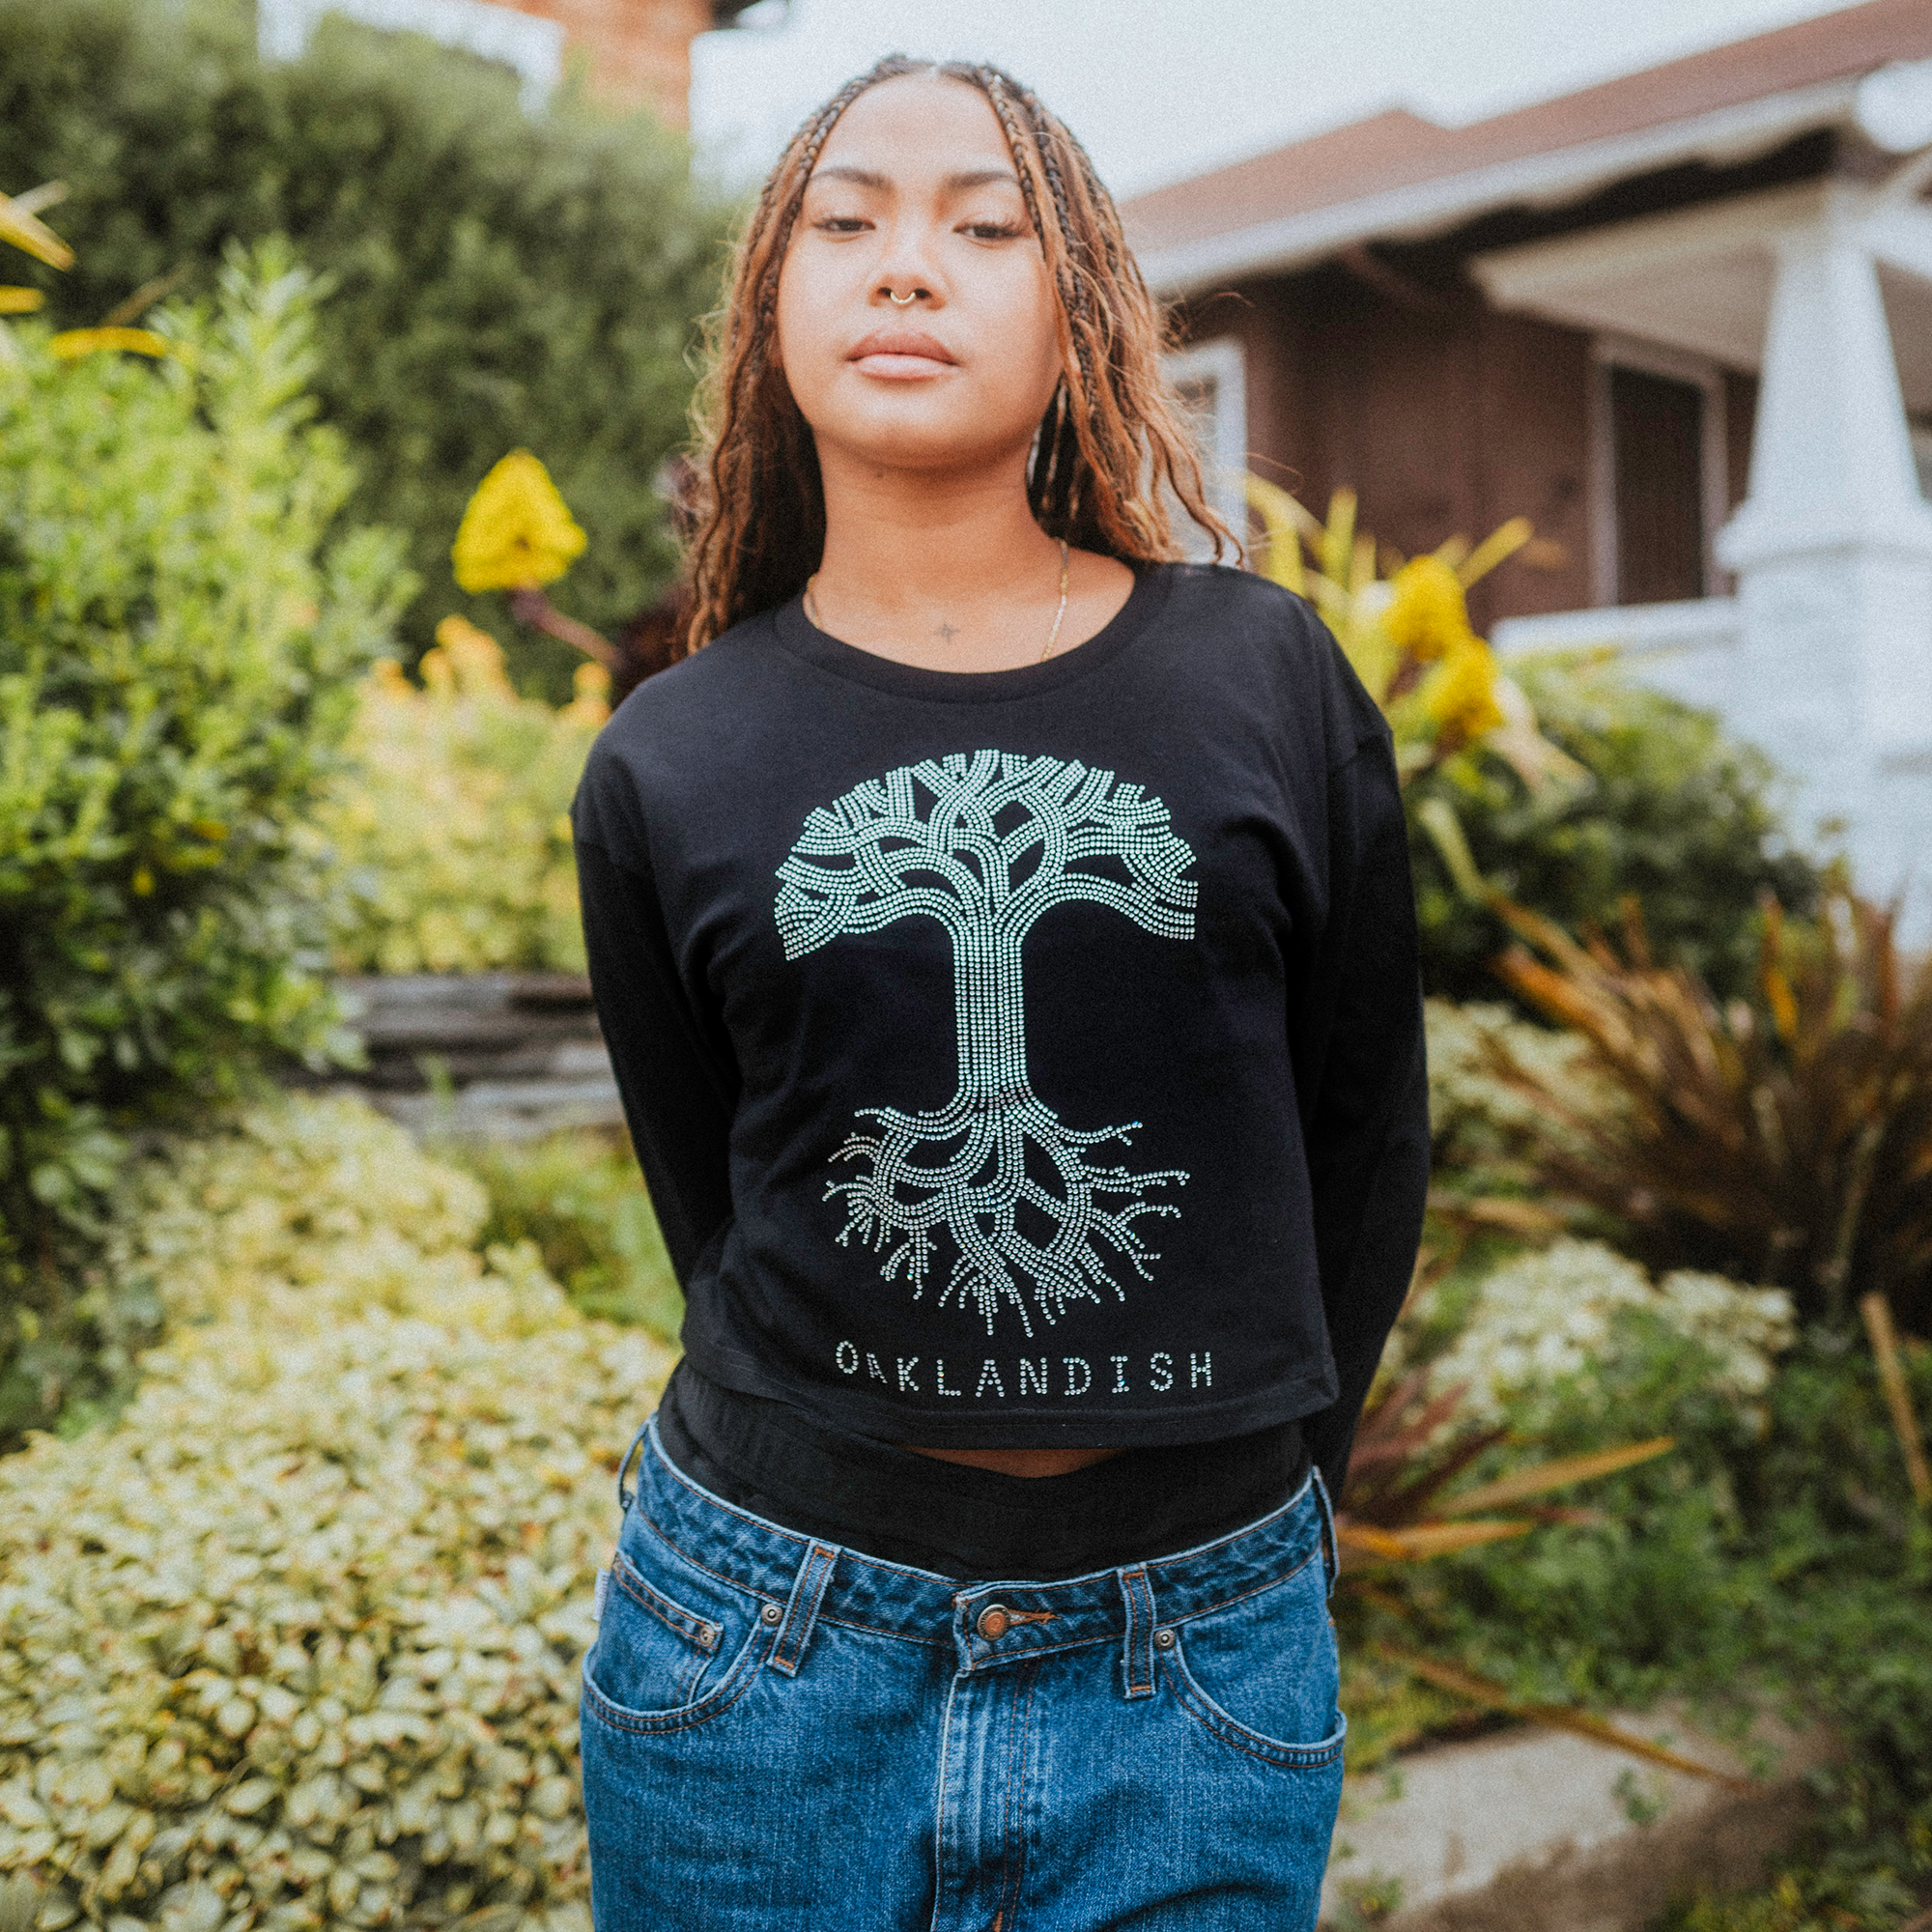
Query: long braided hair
1112	437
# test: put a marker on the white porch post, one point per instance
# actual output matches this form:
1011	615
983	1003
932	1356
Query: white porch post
1833	553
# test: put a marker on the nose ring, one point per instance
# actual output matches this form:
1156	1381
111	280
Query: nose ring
899	302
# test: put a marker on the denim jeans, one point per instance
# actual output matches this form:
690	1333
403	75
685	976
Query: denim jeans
782	1736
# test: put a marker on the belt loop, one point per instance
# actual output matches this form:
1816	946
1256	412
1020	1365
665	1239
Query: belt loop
627	1496
1331	1550
808	1592
1137	1658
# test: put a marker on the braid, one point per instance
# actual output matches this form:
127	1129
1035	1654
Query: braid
1111	440
1057	495
1045	146
992	83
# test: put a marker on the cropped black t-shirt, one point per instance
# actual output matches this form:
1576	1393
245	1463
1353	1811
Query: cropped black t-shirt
1022	1058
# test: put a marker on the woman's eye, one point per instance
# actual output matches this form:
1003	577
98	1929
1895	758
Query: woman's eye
993	231
840	224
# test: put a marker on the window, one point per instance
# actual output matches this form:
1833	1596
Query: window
1661	483
1211	381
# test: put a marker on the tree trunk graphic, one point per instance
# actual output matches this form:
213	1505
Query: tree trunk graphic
988	844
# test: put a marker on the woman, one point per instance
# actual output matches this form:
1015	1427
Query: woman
1004	938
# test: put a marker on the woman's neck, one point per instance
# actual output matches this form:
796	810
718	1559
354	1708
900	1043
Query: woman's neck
949	570
903	540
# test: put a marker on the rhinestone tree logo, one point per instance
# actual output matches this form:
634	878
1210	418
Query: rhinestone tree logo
988	843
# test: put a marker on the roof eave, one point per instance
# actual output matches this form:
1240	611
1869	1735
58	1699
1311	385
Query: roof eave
1548	179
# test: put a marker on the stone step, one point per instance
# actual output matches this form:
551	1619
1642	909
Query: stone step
492	1056
1540	1831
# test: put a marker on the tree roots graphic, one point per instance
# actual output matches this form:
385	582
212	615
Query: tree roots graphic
965	1168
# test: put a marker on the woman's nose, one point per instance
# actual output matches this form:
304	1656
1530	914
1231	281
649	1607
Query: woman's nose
907	274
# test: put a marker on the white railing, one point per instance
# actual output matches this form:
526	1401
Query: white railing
1688	650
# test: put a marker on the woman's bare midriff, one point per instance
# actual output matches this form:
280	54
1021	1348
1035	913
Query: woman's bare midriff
1020	1462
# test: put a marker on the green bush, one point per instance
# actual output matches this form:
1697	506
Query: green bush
502	281
1548	1332
1773	1557
1675	815
580	1198
452	834
180	621
294	1643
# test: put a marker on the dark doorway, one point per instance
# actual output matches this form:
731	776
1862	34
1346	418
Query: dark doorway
1657	435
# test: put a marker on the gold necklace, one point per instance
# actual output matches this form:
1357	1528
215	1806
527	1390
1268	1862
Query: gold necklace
1052	636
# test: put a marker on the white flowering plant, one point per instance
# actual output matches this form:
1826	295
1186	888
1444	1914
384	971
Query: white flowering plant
1482	1127
1554	1325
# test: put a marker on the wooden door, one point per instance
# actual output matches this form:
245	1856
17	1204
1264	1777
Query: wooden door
1657	438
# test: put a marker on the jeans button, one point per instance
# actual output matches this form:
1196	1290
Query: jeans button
992	1622
770	1613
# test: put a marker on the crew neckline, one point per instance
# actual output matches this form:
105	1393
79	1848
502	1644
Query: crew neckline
801	637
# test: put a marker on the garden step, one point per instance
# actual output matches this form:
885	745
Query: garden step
505	1110
1538	1830
479	1055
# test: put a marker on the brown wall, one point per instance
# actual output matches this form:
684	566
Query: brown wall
1445	417
639	51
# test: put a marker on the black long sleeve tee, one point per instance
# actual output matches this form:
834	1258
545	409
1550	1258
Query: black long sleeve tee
1022	1058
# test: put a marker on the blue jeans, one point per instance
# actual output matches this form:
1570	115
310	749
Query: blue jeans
781	1736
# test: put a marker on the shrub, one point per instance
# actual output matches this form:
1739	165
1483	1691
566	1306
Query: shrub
1785	1138
1407	635
1563	787
1674	816
1482	1127
579	1200
451	836
305	1211
294	1643
179	620
501	280
1549	1326
1787	1569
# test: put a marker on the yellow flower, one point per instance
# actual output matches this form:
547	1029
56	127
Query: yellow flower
1461	692
1428	617
466	661
591	695
516	532
72	343
20	302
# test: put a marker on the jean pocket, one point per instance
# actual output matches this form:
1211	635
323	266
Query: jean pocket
658	1664
1261	1674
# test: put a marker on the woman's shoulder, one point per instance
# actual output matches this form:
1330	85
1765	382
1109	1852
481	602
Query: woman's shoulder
1265	632
1243	606
719	685
660	739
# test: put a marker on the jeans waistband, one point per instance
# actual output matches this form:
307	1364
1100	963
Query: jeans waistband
804	1581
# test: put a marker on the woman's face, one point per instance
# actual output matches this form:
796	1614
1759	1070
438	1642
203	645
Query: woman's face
915	194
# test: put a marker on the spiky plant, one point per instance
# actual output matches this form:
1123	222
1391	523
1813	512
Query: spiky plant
1784	1138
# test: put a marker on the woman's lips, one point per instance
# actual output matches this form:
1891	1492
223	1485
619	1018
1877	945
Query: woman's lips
900	353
